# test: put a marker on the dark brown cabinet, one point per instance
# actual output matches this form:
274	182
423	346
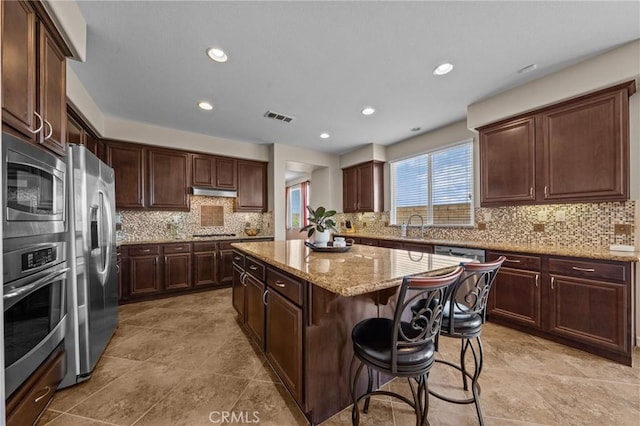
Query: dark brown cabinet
177	266
238	291
573	151
75	131
362	188
79	133
169	182
516	293
590	303
205	264
252	186
213	172
144	271
33	75
254	308
128	162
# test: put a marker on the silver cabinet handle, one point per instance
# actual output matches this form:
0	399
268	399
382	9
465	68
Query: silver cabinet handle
531	192
553	280
575	268
50	130
512	260
243	277
537	280
179	248
145	251
40	126
264	297
46	390
236	258
253	267
117	268
546	191
280	284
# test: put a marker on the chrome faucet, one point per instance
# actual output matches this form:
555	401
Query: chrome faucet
421	223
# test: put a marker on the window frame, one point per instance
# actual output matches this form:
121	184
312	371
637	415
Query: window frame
429	219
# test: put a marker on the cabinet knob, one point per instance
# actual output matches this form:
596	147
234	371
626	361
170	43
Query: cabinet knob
41	123
280	284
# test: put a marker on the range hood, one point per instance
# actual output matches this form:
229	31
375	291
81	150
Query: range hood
210	192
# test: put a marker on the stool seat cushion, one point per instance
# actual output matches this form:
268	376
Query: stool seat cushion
372	340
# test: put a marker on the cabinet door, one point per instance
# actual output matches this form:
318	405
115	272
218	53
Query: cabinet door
507	163
19	67
144	276
177	271
284	341
586	149
350	190
254	309
515	296
365	188
128	164
238	292
52	70
225	173
205	269
75	132
226	266
421	248
593	312
203	170
168	180
252	187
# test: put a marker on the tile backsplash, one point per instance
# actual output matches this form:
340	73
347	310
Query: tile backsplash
159	225
589	225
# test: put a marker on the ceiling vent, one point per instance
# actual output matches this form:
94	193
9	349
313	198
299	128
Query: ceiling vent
278	116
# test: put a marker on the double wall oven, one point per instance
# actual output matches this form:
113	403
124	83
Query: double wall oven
35	268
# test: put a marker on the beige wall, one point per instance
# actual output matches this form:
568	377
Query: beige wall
69	21
366	153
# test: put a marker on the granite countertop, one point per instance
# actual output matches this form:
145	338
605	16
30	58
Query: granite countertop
360	270
191	239
557	250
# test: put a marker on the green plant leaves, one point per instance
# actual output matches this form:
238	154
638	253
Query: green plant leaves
319	219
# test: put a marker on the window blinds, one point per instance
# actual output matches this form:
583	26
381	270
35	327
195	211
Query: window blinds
437	185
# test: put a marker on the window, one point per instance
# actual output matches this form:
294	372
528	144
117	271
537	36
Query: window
437	185
296	200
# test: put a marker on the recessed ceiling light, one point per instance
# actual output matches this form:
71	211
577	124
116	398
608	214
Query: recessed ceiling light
415	129
205	105
325	135
527	69
443	69
217	55
368	111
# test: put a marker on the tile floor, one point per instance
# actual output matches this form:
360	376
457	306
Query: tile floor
175	361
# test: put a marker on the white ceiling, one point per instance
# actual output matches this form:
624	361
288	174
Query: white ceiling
323	61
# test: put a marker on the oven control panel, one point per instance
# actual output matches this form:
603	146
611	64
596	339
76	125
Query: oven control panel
35	259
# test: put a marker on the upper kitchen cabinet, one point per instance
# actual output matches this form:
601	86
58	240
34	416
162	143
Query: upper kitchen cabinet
169	182
128	162
79	133
213	172
33	75
252	186
574	151
362	188
507	158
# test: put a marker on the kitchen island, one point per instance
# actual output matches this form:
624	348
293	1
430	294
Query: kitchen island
299	307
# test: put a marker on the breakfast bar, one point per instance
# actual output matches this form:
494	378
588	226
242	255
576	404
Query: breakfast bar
299	306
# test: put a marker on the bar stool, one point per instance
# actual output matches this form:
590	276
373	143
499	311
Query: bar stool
404	346
463	317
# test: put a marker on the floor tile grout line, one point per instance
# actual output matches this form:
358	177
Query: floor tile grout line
86	418
152	407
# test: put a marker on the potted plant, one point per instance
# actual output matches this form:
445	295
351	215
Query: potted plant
321	225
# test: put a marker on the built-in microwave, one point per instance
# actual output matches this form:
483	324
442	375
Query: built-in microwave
34	190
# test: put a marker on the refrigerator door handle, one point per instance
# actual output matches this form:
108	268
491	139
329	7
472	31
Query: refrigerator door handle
105	237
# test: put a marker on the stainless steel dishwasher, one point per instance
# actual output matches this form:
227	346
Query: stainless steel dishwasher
469	253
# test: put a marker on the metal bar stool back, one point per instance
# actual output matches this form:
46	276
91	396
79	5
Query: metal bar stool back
405	345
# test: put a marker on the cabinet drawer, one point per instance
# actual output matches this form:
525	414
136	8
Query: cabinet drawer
144	250
390	244
590	270
238	259
226	245
254	267
176	248
516	261
368	241
205	246
287	286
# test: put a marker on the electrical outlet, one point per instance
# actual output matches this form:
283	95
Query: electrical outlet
622	229
542	216
487	216
538	227
561	216
482	226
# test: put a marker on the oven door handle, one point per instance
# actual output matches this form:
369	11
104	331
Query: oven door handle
10	297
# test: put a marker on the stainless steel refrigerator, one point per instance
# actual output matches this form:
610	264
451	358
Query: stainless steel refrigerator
92	294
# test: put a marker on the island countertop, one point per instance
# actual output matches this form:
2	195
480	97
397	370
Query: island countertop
360	270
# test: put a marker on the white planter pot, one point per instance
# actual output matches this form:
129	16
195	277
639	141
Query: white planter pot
321	238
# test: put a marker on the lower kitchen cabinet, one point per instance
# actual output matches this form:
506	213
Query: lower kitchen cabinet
238	293
177	271
205	264
516	296
254	308
144	263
